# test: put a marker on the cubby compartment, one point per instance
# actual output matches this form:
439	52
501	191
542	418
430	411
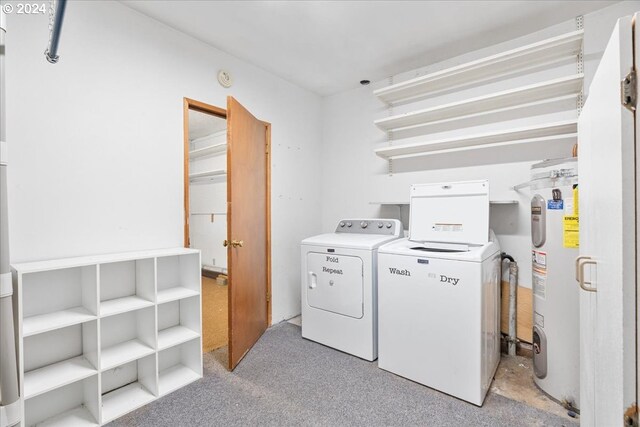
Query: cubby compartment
178	322
178	277
126	337
59	357
58	298
91	330
128	387
75	404
126	286
179	365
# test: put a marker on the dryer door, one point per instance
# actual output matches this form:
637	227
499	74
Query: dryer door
335	283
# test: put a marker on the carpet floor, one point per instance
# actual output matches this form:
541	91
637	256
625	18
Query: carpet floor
215	315
286	380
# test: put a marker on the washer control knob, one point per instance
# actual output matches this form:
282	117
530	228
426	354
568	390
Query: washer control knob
341	223
364	224
380	225
388	225
349	224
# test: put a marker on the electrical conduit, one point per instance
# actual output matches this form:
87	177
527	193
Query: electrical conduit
512	339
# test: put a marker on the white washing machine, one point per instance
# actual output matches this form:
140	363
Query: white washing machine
339	285
438	293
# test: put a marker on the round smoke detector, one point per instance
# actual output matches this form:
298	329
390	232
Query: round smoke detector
224	78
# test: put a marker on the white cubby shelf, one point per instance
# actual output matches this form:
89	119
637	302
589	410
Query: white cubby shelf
101	336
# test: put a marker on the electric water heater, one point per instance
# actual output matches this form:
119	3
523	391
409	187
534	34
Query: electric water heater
556	314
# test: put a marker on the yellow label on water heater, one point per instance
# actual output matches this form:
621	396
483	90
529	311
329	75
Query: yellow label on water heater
576	210
571	231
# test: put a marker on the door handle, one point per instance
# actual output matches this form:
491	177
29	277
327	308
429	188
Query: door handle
225	243
233	243
578	259
312	280
581	262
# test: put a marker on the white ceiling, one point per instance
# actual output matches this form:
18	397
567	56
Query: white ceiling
329	46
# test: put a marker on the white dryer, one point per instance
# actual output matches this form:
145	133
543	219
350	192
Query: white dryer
339	285
439	293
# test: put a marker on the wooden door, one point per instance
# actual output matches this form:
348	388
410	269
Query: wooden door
607	240
248	228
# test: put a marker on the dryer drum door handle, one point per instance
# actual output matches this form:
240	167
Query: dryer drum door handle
312	280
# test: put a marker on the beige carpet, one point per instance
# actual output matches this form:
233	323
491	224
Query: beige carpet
215	318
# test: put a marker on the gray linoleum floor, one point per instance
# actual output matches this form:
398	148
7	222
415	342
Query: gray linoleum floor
287	380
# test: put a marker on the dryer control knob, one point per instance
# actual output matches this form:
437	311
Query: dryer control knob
388	225
341	223
380	225
364	224
349	224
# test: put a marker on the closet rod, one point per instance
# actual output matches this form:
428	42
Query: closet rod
56	27
208	213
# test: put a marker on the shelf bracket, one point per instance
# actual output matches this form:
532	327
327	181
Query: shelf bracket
580	65
521	186
390	133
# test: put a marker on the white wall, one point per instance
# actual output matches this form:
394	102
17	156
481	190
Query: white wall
353	176
95	142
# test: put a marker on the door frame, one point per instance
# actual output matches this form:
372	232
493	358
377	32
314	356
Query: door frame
268	213
192	104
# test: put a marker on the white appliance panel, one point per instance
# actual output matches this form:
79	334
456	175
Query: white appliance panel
439	321
344	314
450	212
335	283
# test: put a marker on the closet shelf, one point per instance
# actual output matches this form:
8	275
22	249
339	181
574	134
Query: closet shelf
393	203
58	319
207	174
175	335
175	377
122	353
502	137
122	305
175	293
498	101
406	203
56	375
77	417
501	64
214	135
123	400
208	151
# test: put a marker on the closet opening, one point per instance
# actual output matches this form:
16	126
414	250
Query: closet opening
227	182
205	199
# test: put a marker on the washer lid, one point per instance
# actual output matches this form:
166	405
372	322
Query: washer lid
349	240
456	212
474	253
